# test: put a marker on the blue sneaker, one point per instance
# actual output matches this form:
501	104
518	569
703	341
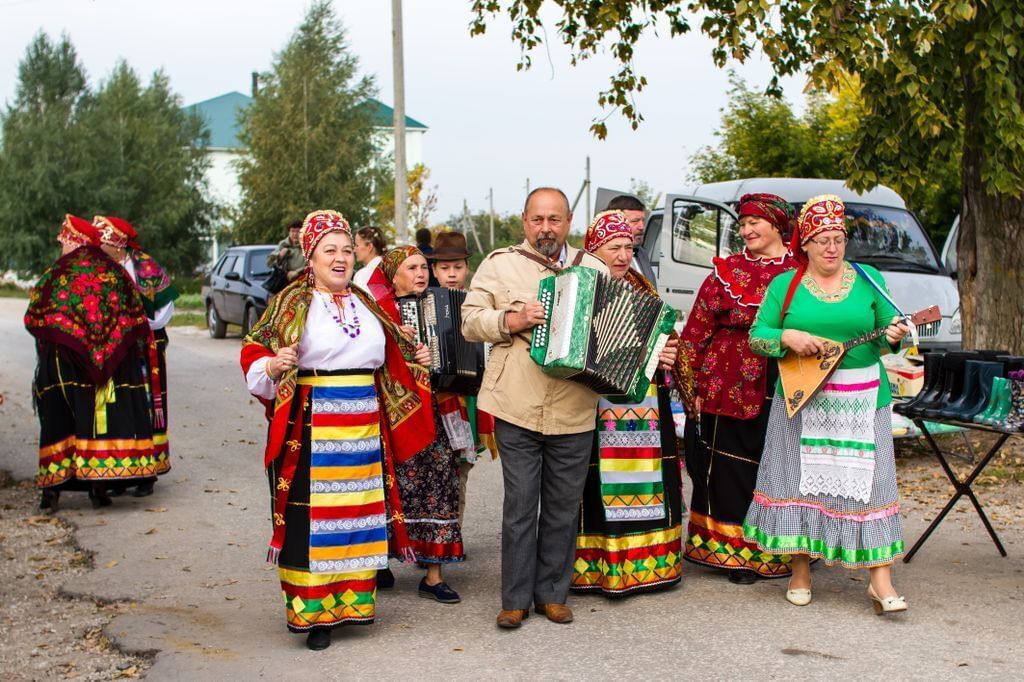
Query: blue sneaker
439	592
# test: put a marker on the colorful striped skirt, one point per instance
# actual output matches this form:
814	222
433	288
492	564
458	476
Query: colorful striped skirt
335	519
630	536
89	433
837	529
722	458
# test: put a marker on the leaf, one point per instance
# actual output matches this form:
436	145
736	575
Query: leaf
157	510
110	564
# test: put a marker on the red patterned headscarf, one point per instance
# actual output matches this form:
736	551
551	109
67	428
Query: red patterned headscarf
75	231
317	225
771	207
390	261
820	214
606	226
116	232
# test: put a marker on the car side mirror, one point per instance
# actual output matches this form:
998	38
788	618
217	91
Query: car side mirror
234	276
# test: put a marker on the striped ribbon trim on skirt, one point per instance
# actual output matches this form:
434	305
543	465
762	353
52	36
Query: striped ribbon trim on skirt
347	517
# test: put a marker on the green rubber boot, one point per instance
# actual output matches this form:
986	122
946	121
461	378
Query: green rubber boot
995	396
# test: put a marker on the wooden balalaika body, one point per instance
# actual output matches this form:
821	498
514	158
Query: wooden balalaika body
803	377
456	365
600	332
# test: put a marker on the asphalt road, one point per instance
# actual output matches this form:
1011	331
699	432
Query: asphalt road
190	561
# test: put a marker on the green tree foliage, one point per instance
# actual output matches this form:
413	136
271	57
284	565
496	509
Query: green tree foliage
124	150
310	136
41	178
761	136
645	193
938	79
146	165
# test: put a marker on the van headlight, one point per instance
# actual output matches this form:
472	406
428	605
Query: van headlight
955	325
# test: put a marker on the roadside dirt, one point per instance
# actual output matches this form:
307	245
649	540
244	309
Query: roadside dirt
47	633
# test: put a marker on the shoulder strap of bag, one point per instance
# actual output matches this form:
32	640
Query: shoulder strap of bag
537	259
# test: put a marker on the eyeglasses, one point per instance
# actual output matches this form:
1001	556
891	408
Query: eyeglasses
825	243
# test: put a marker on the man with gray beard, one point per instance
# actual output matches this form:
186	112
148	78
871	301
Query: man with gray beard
544	426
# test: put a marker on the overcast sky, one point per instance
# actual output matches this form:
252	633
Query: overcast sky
490	126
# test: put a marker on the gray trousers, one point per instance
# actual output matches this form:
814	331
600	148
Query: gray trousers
537	554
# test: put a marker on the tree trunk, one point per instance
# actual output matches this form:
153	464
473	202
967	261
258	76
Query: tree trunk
990	258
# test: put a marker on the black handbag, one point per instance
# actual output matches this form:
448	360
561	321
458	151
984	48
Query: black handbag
276	280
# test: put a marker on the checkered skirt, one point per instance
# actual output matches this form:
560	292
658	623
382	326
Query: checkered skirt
839	530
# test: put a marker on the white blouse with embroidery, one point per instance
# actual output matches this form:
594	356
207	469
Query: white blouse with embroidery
325	346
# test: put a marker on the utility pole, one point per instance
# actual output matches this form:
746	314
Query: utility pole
401	174
587	181
490	198
469	226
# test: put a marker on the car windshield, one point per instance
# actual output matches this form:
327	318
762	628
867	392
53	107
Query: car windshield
258	262
887	238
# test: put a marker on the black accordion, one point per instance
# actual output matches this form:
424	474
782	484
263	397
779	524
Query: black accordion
456	365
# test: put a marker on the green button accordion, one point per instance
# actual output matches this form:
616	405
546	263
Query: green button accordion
600	332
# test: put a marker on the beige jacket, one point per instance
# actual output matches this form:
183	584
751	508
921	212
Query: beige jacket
514	387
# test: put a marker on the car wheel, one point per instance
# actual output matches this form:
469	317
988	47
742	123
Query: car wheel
250	319
218	327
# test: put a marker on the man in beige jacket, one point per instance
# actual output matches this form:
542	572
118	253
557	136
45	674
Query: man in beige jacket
544	426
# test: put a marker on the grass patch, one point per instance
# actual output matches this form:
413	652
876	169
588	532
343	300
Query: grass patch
11	291
186	318
189	302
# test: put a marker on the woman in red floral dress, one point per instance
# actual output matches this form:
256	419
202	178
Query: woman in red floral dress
734	386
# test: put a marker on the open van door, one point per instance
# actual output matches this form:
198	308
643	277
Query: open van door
681	241
603	195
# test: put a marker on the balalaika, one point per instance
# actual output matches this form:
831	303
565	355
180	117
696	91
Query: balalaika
456	364
600	332
803	377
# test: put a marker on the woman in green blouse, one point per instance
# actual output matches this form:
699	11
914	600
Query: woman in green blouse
826	486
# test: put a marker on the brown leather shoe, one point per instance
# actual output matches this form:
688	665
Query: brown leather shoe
556	613
512	618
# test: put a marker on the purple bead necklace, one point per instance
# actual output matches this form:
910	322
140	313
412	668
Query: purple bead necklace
352	328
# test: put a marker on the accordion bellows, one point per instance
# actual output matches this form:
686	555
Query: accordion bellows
456	365
600	332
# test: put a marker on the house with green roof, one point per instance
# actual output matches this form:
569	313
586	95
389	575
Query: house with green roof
224	148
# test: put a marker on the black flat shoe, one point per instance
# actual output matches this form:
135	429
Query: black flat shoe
318	639
385	579
98	496
49	500
439	592
741	577
144	489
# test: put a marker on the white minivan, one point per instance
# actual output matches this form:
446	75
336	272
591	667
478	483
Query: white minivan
882	232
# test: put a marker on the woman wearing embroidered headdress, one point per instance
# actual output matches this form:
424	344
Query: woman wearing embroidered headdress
631	515
346	404
725	430
88	322
826	486
118	240
429	482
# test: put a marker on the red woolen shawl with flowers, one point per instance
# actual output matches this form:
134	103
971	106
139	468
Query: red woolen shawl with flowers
86	303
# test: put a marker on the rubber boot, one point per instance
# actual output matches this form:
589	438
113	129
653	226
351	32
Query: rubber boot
932	375
1015	419
999	385
968	394
987	373
928	398
952	386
